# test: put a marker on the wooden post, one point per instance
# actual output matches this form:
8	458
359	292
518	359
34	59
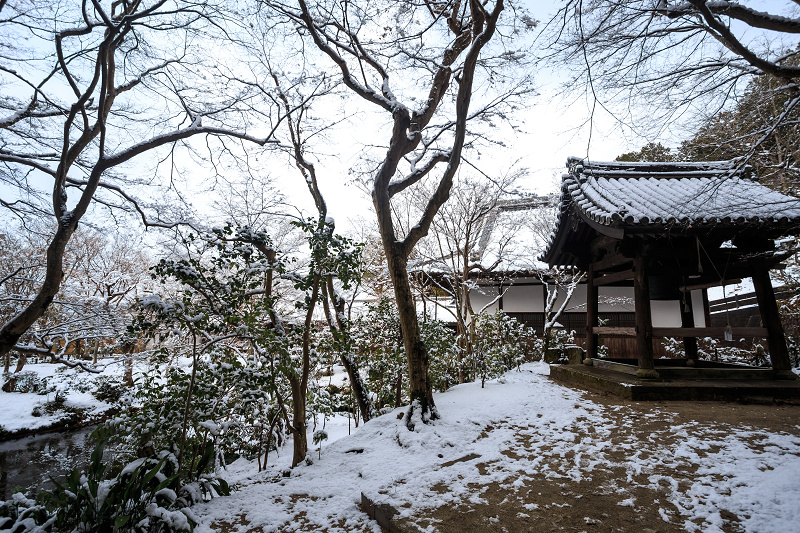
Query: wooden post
768	307
644	320
706	308
687	321
591	316
500	296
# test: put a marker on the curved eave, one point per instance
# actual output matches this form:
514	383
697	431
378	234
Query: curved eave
576	229
551	256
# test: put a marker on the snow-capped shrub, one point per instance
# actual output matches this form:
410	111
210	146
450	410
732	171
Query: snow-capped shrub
25	381
378	347
500	344
741	351
444	353
109	390
145	497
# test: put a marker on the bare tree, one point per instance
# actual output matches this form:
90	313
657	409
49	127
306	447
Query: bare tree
96	85
470	235
560	283
333	302
381	47
751	122
102	277
675	57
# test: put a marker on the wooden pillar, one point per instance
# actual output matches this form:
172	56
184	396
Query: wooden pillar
687	321
591	316
644	320
768	307
500	296
706	308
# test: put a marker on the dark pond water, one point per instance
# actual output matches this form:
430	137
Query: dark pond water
30	461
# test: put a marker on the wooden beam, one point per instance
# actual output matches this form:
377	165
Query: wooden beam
688	288
607	330
644	321
687	321
744	300
717	332
706	311
592	298
736	304
611	262
613	278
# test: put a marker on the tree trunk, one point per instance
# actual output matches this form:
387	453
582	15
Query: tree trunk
21	360
300	384
299	426
12	330
463	343
357	384
398	391
127	350
359	389
420	390
546	338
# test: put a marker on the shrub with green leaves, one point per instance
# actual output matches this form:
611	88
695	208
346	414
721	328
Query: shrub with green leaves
443	350
500	344
379	348
228	411
379	345
146	496
243	320
26	381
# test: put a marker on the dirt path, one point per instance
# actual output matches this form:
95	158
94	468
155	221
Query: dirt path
526	454
642	477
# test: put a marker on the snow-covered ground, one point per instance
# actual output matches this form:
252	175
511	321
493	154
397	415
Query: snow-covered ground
520	429
27	411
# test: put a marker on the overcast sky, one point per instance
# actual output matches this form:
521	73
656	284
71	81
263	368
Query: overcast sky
554	127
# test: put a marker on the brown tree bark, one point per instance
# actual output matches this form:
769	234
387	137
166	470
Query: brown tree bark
85	128
337	328
420	390
471	27
294	118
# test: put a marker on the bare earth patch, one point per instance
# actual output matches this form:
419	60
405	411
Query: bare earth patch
633	487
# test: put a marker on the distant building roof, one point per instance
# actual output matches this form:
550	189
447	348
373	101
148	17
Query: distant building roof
525	221
619	198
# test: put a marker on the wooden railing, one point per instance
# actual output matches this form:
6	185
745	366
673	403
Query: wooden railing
659	333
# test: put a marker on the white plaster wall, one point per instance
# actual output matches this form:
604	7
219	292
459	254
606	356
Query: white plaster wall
616	299
697	309
523	299
576	304
666	313
530	298
481	296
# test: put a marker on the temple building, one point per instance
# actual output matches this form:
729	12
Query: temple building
672	230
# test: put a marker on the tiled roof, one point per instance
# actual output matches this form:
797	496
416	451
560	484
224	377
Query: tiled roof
664	193
669	196
519	219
